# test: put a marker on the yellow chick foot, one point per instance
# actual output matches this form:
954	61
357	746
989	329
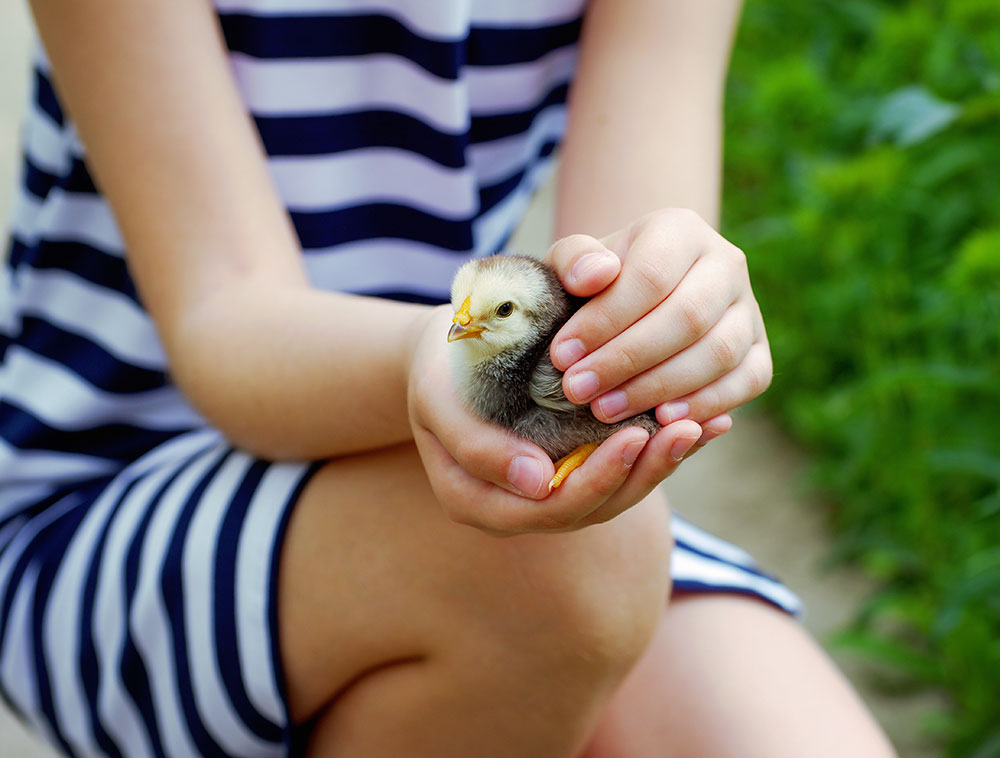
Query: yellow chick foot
568	463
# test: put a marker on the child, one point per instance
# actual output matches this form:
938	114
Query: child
237	484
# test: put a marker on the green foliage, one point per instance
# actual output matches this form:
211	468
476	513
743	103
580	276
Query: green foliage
863	180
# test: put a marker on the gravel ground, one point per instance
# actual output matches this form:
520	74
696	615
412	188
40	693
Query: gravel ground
743	487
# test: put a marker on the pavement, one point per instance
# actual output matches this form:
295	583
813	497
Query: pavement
745	486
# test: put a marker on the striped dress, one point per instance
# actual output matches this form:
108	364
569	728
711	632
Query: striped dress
137	547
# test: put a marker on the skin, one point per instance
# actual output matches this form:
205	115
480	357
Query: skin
396	617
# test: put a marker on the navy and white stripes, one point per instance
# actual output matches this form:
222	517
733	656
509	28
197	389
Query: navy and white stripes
403	137
142	622
138	551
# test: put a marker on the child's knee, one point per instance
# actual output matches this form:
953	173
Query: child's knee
593	597
581	605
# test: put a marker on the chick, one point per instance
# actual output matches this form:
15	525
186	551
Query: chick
507	310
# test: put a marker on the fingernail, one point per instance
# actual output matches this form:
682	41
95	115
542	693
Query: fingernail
590	263
676	411
569	352
681	447
525	475
612	403
631	451
583	386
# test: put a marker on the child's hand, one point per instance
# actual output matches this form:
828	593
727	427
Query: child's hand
488	478
674	324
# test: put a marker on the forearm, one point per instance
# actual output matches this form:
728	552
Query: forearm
645	128
280	368
289	372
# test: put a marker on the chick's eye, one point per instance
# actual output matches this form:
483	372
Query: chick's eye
505	309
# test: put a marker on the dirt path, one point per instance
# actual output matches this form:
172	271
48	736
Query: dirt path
742	487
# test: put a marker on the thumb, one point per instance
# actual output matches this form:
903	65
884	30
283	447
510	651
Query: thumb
583	264
485	451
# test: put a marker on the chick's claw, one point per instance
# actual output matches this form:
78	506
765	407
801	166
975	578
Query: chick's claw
568	463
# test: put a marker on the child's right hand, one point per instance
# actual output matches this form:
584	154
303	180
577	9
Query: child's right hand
488	478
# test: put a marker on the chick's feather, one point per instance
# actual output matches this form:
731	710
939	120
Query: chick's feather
503	370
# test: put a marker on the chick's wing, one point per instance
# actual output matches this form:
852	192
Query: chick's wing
545	386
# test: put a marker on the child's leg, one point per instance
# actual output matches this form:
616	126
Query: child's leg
404	633
729	676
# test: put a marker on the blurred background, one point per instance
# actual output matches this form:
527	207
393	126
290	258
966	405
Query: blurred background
863	181
863	176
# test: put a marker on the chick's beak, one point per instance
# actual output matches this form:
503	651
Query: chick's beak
462	326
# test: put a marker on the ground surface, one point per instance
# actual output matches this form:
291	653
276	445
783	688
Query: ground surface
744	487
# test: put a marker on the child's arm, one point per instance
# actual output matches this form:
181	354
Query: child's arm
646	113
679	328
282	369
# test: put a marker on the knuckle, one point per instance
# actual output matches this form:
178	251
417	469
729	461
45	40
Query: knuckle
660	387
725	351
694	319
651	277
564	251
470	457
712	402
452	503
603	323
745	337
460	517
761	373
475	459
662	217
678	215
577	241
737	258
503	522
629	361
554	522
756	383
706	402
686	216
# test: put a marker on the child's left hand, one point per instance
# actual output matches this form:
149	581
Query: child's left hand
673	323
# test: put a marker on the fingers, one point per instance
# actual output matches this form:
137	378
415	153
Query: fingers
656	257
723	370
472	501
738	387
620	473
710	430
490	453
679	323
659	459
696	305
589	486
467	499
485	450
583	264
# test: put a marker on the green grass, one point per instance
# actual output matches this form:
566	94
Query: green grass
863	181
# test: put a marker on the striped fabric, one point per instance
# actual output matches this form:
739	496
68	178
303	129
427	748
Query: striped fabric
137	549
404	137
139	616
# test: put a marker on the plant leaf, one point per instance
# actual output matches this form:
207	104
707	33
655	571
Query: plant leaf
910	115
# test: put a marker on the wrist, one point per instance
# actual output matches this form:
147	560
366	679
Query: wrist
414	337
415	334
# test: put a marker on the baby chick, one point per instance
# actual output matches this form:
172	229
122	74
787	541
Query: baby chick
507	310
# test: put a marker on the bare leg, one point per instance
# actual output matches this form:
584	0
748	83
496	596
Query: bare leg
403	633
730	676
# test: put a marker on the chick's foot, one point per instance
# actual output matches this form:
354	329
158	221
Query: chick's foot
568	463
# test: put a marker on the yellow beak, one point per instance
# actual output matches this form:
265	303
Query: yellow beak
461	327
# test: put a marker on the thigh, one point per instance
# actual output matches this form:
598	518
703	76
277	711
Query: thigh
732	676
372	573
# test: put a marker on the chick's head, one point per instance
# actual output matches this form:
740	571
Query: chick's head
504	304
